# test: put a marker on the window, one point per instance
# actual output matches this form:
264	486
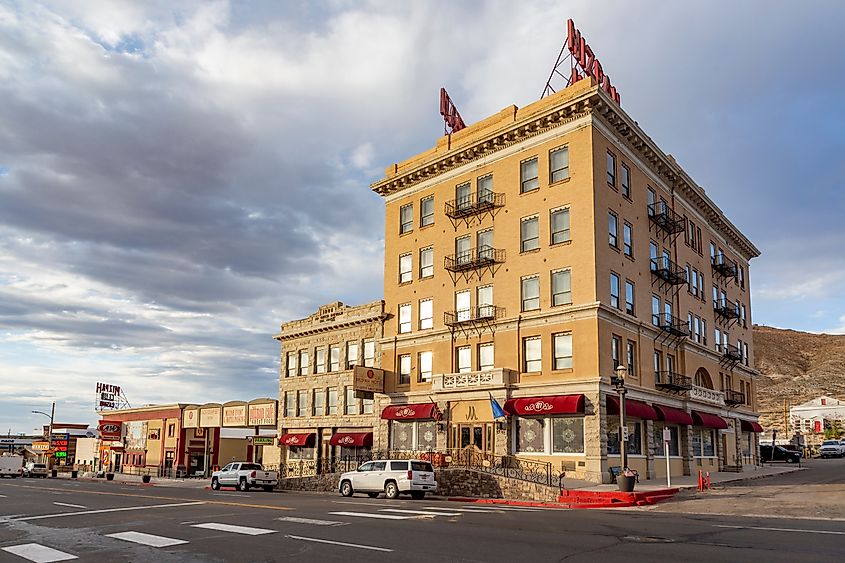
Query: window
627	236
558	165
319	402
704	332
405	265
653	251
562	287
334	358
484	243
484	296
418	435
635	443
332	402
351	403
611	169
631	358
426	262
614	290
424	365
320	362
531	435
485	189
290	404
742	318
404	369
302	403
367	405
626	181
463	358
629	297
291	364
670	363
463	196
655	310
427	211
658	363
746	361
667	311
531	293
369	353
528	175
651	198
485	356
740	272
615	349
303	362
351	354
462	307
559	223
718	340
697	328
612	226
563	351
426	314
564	434
529	234
658	449
694	285
463	250
406	218
703	442
693	242
701	286
531	351
404	318
171	430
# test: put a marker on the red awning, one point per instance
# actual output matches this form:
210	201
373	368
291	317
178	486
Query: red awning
671	415
633	408
708	420
352	439
302	439
750	426
554	404
422	411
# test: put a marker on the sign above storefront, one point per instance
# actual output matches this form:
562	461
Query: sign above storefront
370	380
190	418
262	440
262	414
234	415
110	429
211	417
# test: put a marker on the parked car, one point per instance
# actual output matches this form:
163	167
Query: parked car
391	476
33	469
780	454
244	475
11	465
832	448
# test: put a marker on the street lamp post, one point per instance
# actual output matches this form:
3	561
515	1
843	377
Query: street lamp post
51	416
618	382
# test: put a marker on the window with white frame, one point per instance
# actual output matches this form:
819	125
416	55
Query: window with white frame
426	314
302	403
463	195
367	406
485	189
558	164
531	293
484	296
486	355
351	402
463	357
484	243
613	229
532	352
629	297
463	249
369	353
655	310
563	350
291	364
351	354
562	287
611	169
332	403
627	239
426	262
404	369
529	234
334	358
320	360
615	350
462	306
529	177
651	198
319	402
404	318
424	362
626	181
427	211
290	404
405	268
551	435
303	362
406	218
418	435
559	225
631	358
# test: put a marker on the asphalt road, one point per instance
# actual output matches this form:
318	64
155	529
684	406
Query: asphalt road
104	521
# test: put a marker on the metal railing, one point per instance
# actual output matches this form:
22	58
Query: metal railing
734	397
662	216
672	381
664	269
671	324
731	352
474	258
474	203
473	314
723	267
726	309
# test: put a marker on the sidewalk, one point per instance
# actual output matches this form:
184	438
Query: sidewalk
123	479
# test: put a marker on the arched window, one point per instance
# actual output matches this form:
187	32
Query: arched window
702	378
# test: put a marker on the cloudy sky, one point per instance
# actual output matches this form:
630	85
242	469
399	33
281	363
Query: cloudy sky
177	179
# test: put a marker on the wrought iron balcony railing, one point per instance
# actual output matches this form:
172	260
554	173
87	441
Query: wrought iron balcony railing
671	324
474	258
671	381
474	203
726	309
662	216
723	266
666	270
733	398
731	353
481	313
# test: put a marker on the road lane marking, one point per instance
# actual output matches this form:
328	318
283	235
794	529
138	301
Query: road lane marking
371	515
420	512
104	510
39	553
2	496
146	539
781	529
296	520
344	544
364	503
234	529
475	510
511	508
69	505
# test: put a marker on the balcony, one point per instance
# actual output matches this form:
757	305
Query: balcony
671	381
474	204
474	259
726	309
491	378
666	219
671	325
705	395
482	313
723	266
667	271
734	398
731	353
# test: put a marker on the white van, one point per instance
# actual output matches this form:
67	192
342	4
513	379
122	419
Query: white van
391	476
11	466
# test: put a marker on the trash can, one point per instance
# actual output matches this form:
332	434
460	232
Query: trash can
626	484
54	473
145	478
109	476
74	474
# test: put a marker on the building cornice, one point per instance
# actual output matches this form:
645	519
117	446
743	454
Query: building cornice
329	327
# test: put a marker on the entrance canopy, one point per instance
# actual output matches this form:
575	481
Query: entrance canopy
302	439
708	420
421	411
750	426
671	415
352	439
633	408
553	404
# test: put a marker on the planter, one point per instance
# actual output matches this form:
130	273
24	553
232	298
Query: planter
109	476
626	484
145	478
74	474
54	473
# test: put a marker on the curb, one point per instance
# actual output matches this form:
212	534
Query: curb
527	503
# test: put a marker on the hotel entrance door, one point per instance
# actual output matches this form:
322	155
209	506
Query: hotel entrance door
479	435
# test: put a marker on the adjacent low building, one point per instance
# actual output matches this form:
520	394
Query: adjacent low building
810	420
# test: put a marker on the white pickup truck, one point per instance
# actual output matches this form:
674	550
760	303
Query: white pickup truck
244	475
11	466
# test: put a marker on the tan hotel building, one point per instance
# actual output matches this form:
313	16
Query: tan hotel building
526	257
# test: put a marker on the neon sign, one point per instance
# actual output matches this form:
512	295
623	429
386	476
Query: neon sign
587	61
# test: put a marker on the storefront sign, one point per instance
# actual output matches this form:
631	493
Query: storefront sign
40	446
59	445
110	429
262	414
107	396
234	415
262	440
368	379
190	418
211	417
587	61
471	411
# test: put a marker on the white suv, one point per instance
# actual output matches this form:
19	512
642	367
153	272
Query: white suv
832	448
390	476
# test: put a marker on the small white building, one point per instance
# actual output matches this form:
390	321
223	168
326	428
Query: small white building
808	419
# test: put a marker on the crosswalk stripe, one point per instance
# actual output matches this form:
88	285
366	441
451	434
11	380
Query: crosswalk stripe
420	512
234	529
39	553
296	520
69	505
371	515
146	539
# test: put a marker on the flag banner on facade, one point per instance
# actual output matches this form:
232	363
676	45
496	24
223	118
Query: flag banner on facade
498	412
